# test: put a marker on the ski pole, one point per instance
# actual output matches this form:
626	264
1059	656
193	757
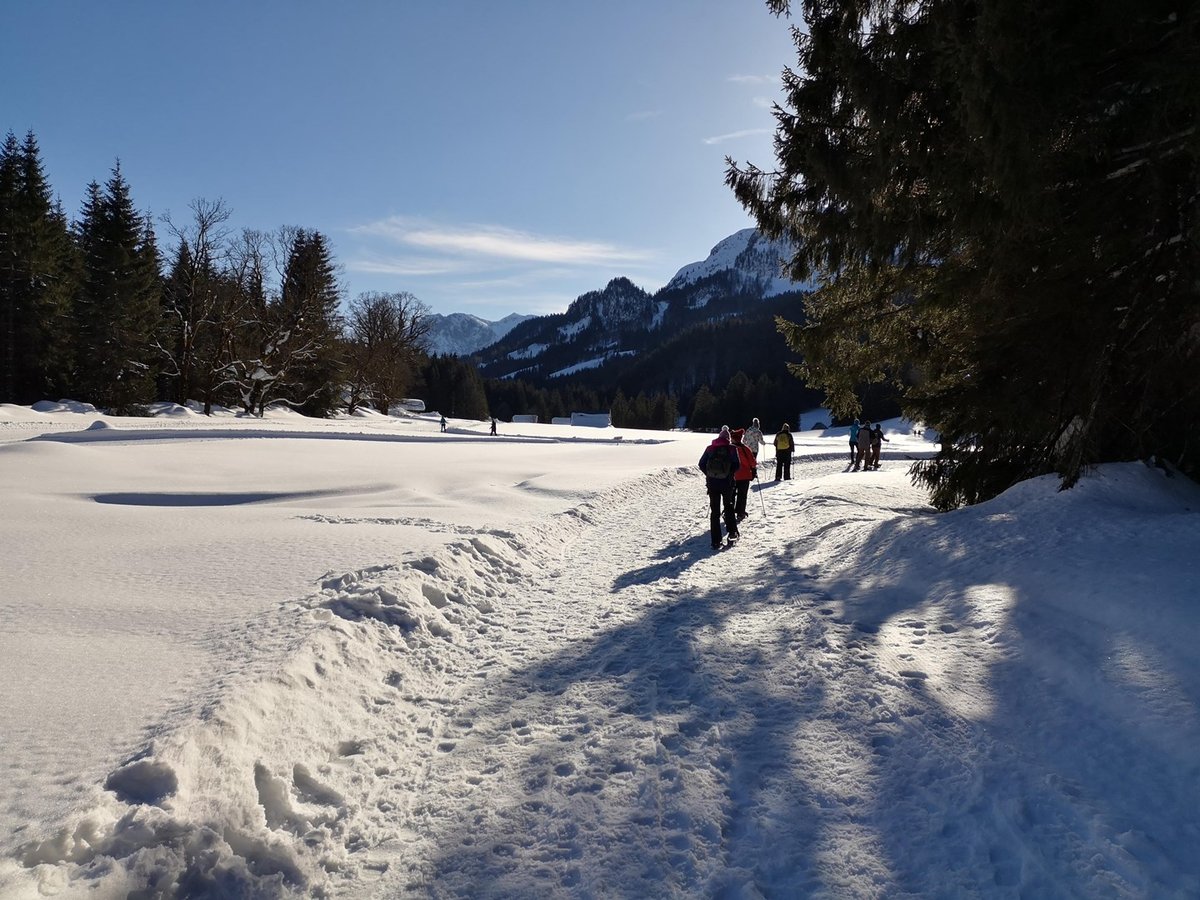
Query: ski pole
760	496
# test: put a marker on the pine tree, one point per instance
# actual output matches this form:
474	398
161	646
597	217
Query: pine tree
36	278
1002	197
309	305
117	305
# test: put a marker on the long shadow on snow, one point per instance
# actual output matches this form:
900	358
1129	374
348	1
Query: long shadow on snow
1008	798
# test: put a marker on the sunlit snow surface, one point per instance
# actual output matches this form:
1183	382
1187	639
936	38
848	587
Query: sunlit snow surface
363	658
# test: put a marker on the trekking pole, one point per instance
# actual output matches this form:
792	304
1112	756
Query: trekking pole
760	496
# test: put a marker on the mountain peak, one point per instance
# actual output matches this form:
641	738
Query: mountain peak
751	256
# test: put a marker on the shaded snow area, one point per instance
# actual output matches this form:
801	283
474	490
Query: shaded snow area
395	663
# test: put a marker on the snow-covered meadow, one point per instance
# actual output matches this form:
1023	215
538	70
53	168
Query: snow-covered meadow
362	658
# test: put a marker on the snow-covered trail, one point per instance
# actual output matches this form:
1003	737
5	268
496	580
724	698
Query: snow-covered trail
860	699
660	720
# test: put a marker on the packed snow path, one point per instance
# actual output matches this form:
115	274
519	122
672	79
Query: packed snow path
659	720
848	703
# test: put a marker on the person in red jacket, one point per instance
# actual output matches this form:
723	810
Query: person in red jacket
746	470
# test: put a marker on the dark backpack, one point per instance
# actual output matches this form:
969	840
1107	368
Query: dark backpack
720	463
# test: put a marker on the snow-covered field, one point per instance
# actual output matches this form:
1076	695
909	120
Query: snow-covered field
361	658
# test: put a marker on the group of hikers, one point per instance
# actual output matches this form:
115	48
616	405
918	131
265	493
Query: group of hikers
865	443
730	463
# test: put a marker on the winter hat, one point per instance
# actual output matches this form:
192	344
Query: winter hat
754	422
725	432
736	434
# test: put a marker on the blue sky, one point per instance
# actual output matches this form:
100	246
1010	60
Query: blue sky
488	157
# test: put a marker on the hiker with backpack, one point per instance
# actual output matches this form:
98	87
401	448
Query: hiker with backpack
743	475
784	445
719	462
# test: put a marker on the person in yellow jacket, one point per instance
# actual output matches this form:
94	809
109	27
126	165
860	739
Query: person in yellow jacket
784	445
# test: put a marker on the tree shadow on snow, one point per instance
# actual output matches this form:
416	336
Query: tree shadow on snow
916	727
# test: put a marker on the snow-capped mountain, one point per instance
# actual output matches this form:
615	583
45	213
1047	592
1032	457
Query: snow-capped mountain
739	282
751	257
461	334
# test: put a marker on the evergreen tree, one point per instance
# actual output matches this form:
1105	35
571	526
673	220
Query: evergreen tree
453	386
117	305
1002	197
705	413
309	304
36	279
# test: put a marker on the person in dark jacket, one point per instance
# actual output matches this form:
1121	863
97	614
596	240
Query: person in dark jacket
784	445
864	447
746	470
719	462
877	440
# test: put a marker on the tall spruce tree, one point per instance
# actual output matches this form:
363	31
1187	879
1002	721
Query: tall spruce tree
36	278
117	305
309	304
1003	198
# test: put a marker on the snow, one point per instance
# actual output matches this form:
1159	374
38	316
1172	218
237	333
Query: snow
533	350
362	658
748	253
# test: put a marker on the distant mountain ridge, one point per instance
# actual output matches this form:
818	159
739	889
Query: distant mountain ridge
461	334
713	318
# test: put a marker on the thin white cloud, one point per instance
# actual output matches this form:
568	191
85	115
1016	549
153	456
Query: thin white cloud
754	79
409	266
496	242
735	135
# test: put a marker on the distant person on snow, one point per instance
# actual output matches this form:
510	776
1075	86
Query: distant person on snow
719	462
443	423
877	440
863	443
754	438
854	429
784	445
746	470
493	425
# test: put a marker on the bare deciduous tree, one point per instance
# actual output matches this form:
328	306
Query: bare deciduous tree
385	337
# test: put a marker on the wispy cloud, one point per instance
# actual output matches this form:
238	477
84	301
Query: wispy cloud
411	266
735	135
754	79
498	243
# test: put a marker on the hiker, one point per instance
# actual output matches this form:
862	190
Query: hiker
854	428
877	440
784	445
746	471
443	423
718	463
493	425
754	438
863	443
